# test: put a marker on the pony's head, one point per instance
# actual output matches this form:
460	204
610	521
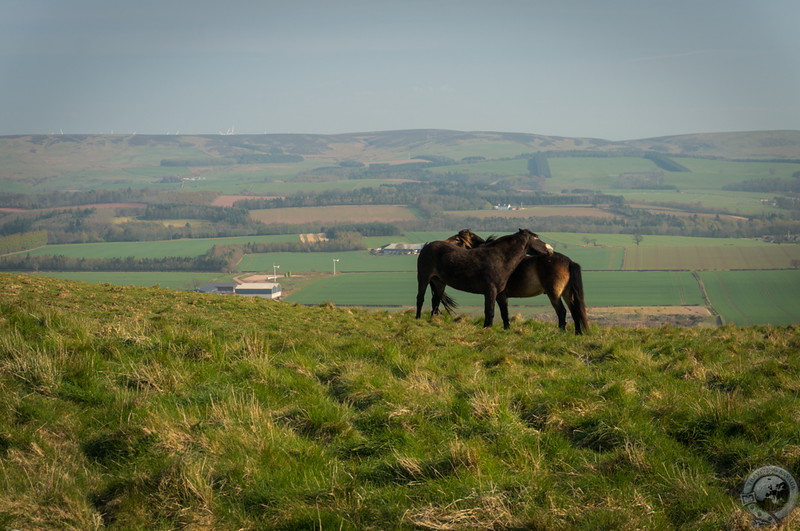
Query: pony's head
535	245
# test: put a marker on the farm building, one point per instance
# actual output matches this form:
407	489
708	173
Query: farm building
265	290
223	288
399	248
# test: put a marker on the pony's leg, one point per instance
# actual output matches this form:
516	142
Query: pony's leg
436	298
488	308
561	312
502	302
574	310
575	299
421	288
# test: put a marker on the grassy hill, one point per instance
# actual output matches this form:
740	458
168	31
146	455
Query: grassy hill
133	408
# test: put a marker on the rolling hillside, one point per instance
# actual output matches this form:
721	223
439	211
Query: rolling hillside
35	162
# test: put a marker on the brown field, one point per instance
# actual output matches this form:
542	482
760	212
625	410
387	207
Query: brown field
539	211
710	258
313	237
329	214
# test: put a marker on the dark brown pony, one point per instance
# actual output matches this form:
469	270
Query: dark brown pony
555	274
484	269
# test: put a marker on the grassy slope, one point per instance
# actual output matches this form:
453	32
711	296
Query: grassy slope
147	408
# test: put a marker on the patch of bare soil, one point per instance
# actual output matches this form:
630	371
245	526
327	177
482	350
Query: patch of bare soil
313	237
650	316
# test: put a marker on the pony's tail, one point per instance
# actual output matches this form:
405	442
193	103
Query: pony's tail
579	303
449	304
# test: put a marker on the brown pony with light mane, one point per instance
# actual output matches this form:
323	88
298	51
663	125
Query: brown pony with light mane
555	274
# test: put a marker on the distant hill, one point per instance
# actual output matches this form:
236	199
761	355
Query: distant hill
38	156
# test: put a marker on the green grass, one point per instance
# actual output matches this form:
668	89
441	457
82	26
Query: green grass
143	408
169	280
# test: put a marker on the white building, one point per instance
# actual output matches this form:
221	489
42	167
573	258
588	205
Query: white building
265	290
399	248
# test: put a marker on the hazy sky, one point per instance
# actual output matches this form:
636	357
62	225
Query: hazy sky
613	69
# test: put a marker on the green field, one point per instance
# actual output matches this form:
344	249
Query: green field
610	288
705	258
598	173
499	167
755	297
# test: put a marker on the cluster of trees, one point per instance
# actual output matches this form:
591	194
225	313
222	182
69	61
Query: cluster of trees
789	203
538	166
